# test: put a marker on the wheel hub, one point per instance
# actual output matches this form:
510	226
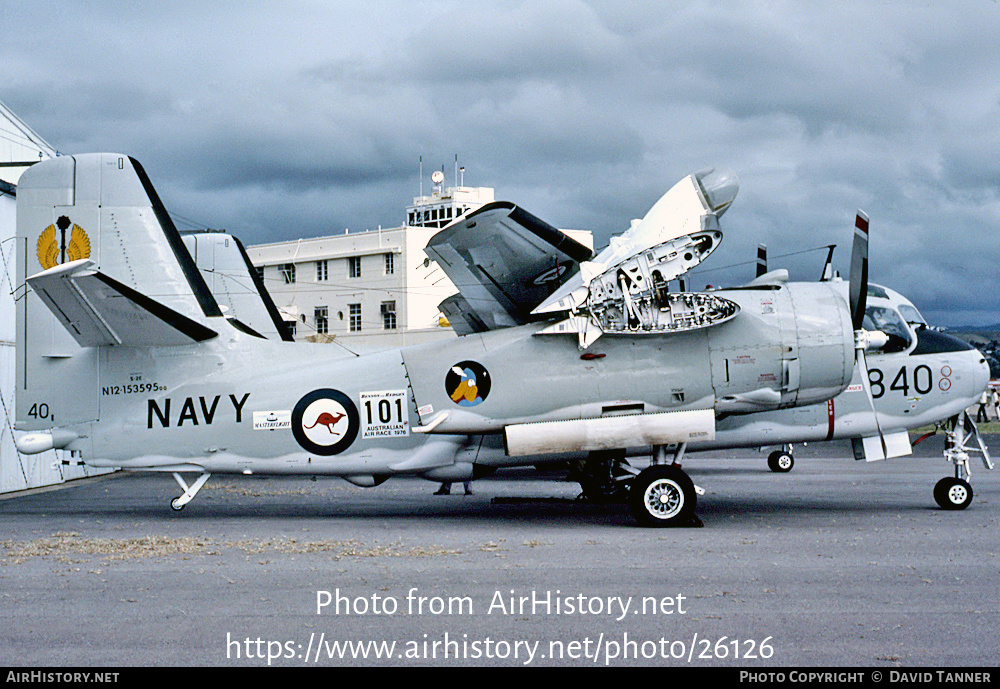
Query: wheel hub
664	499
957	494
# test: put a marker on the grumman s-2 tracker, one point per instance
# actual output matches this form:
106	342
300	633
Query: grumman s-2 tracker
126	359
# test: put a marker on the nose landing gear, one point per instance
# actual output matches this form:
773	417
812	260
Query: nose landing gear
955	492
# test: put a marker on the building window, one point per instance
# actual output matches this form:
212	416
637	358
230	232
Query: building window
321	271
354	314
354	267
390	264
321	314
388	315
287	272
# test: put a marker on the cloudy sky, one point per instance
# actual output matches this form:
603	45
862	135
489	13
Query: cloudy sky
278	120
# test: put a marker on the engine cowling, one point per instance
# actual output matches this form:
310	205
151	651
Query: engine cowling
792	345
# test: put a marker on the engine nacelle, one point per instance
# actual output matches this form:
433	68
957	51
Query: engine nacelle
792	345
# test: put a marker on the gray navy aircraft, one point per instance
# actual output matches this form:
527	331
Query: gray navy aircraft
126	359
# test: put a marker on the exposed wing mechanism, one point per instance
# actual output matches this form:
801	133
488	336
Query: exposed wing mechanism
624	289
678	233
511	268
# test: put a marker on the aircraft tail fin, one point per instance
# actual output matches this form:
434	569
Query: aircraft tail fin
99	262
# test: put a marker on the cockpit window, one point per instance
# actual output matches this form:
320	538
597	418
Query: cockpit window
911	315
888	321
877	291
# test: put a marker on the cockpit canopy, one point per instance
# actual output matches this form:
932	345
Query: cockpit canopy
891	313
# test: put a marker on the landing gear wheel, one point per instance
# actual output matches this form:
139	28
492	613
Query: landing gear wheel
780	461
175	506
953	493
662	495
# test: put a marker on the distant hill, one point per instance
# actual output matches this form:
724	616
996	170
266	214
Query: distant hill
979	329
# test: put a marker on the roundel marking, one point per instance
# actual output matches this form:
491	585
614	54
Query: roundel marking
325	422
467	383
550	275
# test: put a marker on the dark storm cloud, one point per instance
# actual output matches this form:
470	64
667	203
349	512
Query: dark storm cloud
282	120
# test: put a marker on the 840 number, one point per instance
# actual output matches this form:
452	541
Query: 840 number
920	381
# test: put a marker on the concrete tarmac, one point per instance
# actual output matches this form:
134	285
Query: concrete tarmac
837	563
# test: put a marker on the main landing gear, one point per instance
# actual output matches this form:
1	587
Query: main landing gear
662	494
659	495
955	492
604	476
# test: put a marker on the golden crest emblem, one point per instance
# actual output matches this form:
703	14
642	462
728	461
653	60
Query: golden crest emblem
59	243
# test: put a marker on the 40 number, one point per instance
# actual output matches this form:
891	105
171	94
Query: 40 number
39	411
921	381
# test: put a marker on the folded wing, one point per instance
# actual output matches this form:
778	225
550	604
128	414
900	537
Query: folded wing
504	261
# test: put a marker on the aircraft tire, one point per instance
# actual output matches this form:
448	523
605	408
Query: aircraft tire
662	495
953	493
175	506
780	461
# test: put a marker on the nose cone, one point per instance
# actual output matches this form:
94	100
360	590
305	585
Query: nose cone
981	373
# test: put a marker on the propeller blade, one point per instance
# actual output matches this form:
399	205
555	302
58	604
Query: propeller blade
858	293
863	364
761	259
859	270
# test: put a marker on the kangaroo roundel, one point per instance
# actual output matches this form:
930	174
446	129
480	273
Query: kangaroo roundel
325	422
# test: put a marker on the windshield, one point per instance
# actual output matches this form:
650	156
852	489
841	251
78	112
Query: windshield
911	314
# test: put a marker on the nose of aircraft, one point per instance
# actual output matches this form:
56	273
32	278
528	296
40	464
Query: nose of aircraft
980	372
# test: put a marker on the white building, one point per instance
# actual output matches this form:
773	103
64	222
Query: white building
374	288
19	148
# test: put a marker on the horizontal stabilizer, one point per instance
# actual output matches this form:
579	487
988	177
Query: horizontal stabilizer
97	310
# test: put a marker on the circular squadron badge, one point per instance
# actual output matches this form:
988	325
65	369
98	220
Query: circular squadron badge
467	383
325	422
